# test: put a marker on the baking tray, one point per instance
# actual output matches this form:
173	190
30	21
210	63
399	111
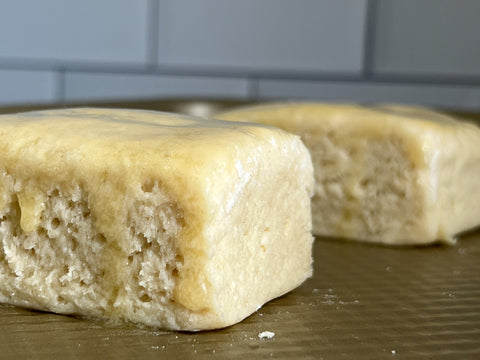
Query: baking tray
363	302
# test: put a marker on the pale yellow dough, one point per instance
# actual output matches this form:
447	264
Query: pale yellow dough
386	174
153	218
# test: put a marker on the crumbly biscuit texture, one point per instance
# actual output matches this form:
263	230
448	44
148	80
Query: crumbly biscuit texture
148	217
388	174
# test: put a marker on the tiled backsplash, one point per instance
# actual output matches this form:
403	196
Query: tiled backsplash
412	51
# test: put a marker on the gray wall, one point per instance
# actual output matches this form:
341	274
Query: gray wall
411	51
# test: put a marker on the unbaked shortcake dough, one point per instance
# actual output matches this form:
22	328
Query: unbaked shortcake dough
153	218
385	174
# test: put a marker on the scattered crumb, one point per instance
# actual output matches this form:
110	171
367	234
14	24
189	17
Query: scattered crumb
393	352
329	299
388	268
450	295
266	335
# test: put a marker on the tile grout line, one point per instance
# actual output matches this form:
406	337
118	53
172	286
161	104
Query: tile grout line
124	69
253	87
152	35
369	39
60	91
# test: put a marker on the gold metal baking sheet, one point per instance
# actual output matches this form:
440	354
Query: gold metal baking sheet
363	302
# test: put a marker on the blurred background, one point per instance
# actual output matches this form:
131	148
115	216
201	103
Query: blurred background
409	51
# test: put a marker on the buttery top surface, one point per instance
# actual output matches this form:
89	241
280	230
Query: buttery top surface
428	133
115	140
298	116
91	124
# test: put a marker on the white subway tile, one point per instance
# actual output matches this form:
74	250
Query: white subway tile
27	87
428	37
98	86
445	96
311	35
81	31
